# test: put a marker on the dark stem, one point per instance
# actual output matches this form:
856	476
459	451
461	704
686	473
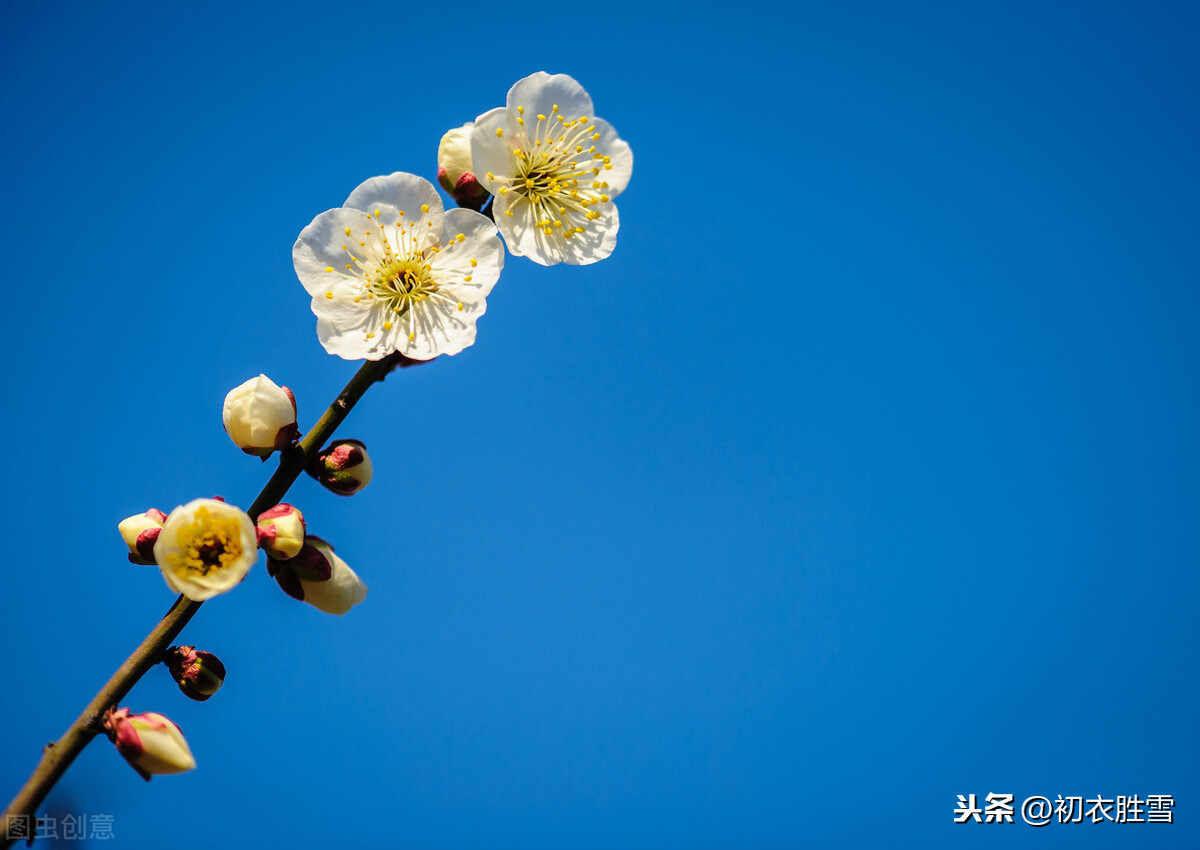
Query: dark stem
58	755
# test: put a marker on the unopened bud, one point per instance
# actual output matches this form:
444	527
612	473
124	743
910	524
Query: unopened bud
149	742
281	531
260	417
343	467
455	171
140	533
319	577
199	674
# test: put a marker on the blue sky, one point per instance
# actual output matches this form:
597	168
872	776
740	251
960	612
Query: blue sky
862	475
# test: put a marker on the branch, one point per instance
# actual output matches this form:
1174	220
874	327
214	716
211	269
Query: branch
58	755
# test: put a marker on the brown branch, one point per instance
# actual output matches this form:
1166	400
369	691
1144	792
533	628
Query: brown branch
58	755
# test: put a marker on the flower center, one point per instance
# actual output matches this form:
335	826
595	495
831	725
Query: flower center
402	281
209	544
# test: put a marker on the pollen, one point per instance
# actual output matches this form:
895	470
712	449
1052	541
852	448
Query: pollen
209	544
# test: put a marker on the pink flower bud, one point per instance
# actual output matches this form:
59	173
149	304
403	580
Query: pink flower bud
455	172
149	742
260	417
319	577
199	674
281	532
343	467
140	533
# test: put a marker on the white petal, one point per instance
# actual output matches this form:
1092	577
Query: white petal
320	247
492	153
342	330
611	145
439	327
340	593
164	749
401	191
481	243
525	239
541	92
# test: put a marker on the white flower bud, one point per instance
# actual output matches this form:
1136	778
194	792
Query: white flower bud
149	742
281	532
455	172
140	532
319	577
260	417
206	547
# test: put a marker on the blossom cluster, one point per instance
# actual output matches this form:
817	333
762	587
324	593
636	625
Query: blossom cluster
393	276
392	271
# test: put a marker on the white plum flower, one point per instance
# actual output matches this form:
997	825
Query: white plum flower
205	547
391	271
554	169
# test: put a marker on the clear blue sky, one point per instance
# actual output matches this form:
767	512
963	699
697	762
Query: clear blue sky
862	475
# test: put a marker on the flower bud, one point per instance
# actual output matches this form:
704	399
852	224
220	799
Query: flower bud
260	417
281	532
343	467
140	532
199	674
455	172
149	742
206	547
319	577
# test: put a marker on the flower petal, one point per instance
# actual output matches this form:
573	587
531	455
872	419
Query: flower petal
480	243
525	239
619	154
404	192
489	152
540	92
324	245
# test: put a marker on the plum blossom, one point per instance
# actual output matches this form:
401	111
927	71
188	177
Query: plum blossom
554	169
390	271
